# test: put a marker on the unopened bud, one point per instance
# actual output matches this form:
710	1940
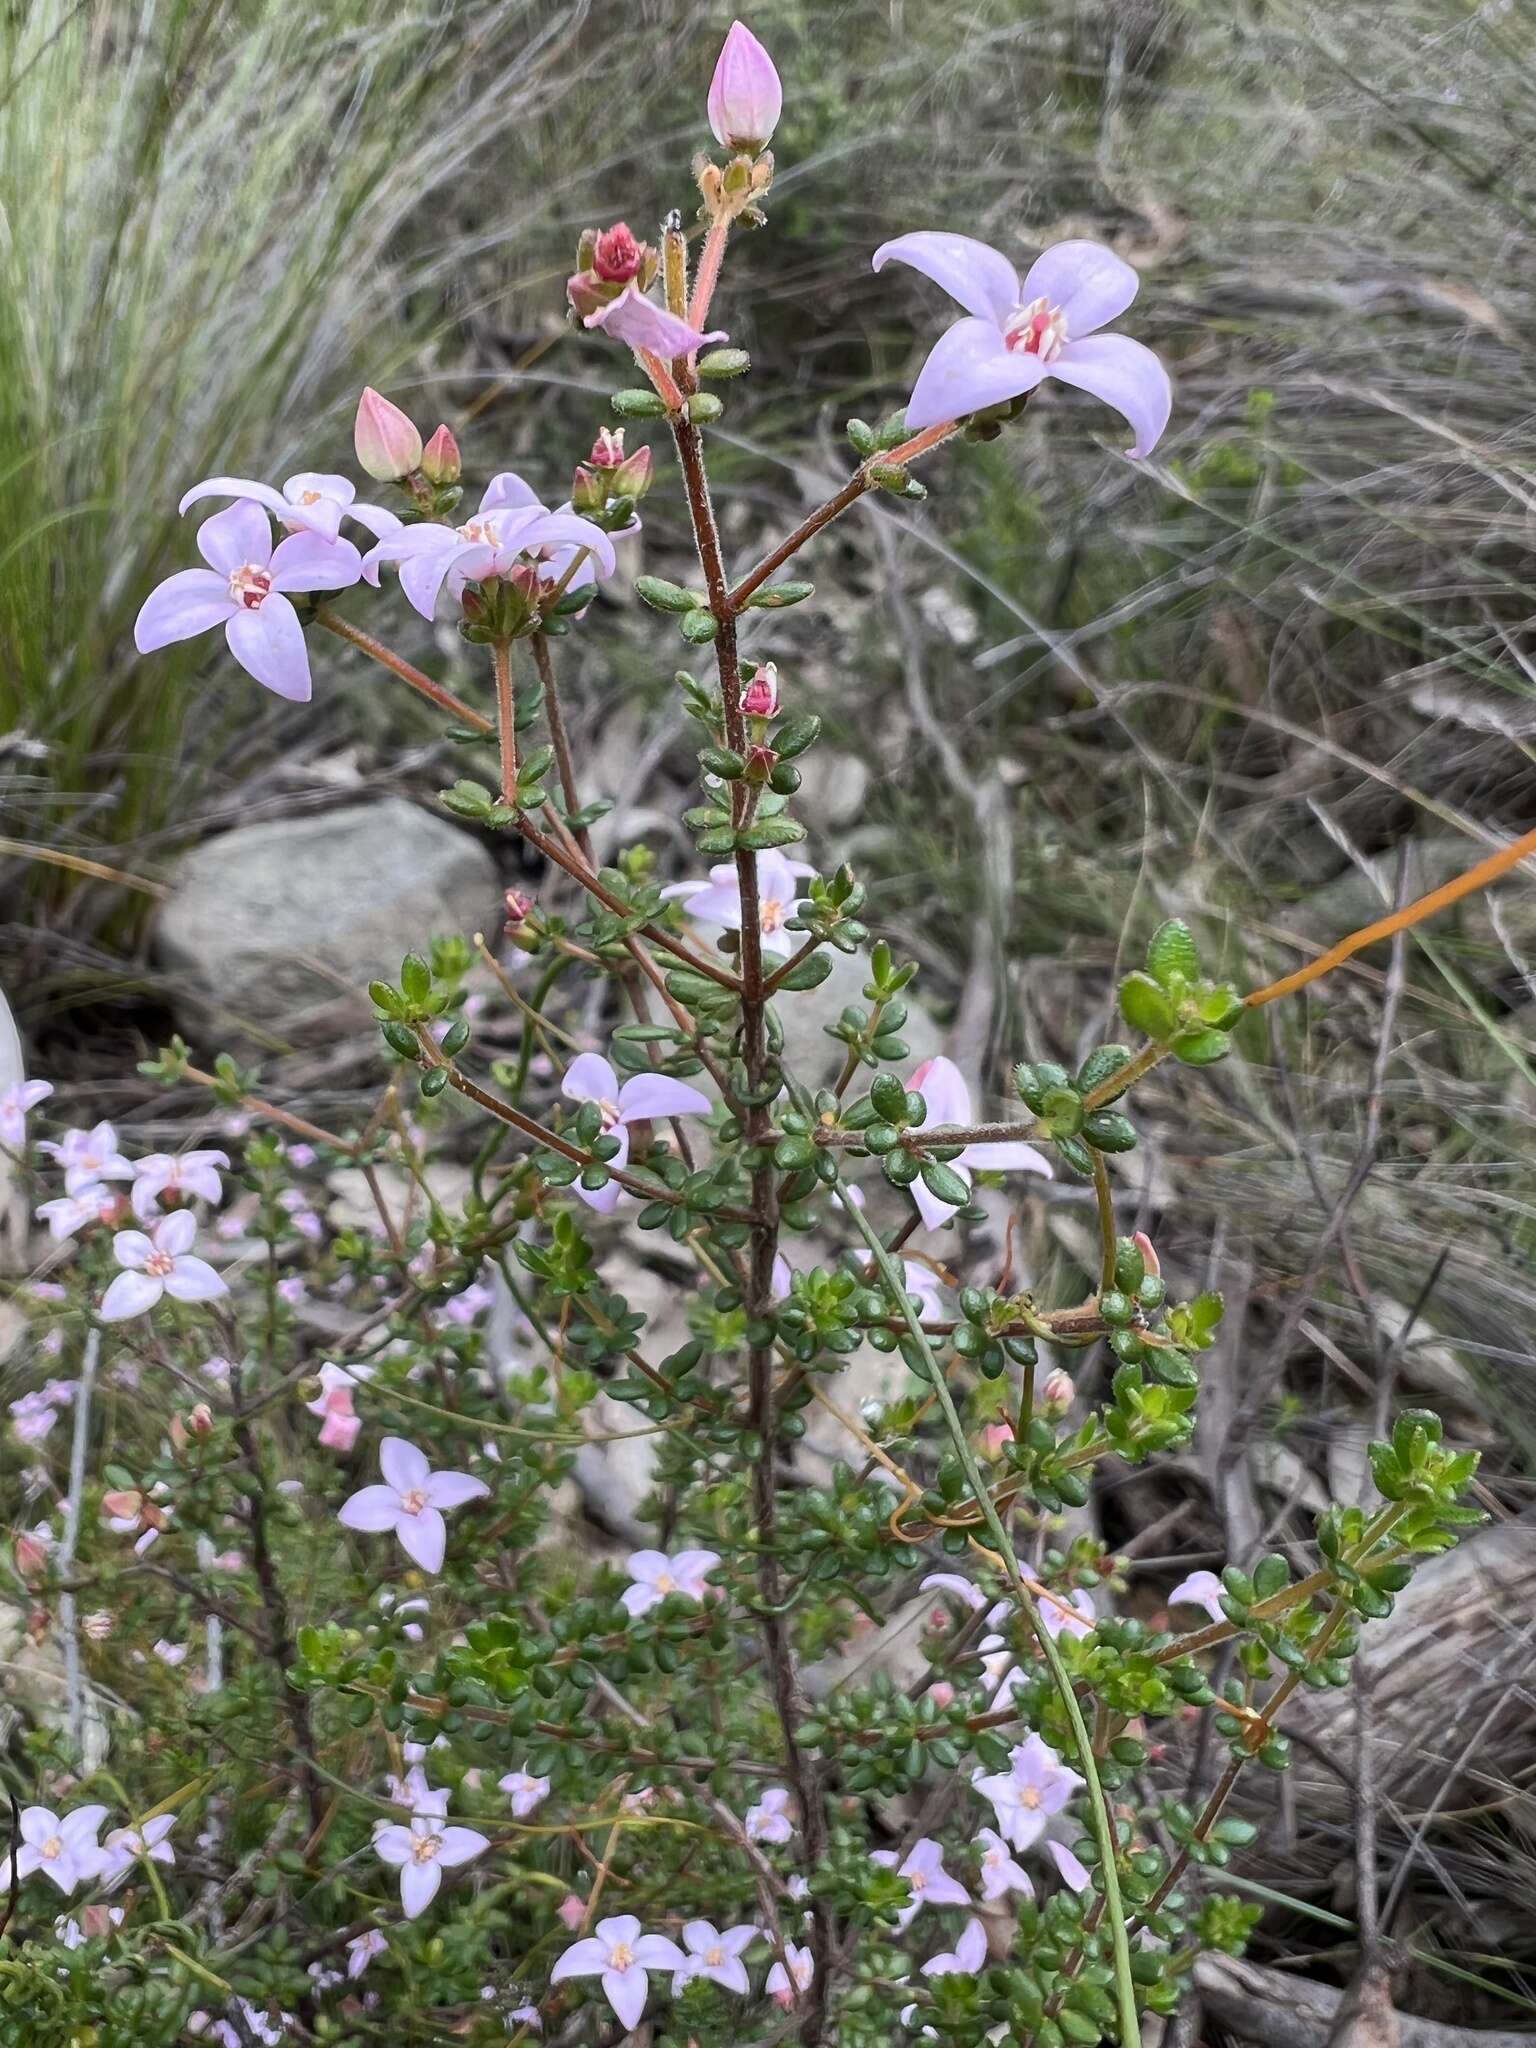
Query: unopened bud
98	1625
745	96
1149	1257
1056	1392
200	1421
31	1553
387	444
608	448
616	254
632	478
761	762
519	910
440	459
589	488
123	1504
761	696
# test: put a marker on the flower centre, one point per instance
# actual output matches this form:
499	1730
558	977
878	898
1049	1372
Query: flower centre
665	1583
1030	1797
476	533
609	1111
159	1264
918	1880
1038	329
621	1956
249	585
424	1849
714	1957
414	1501
309	497
773	913
52	1849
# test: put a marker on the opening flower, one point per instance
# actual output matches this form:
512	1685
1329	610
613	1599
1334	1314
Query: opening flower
63	1850
1025	1797
15	1101
1200	1589
126	1847
745	95
655	1575
509	530
157	1264
1017	335
930	1883
88	1156
640	322
718	901
411	1502
948	1101
69	1213
524	1790
313	501
621	1955
362	1949
339	1420
1000	1874
422	1852
641	1099
716	1955
786	1986
242	590
768	1820
179	1174
1058	1620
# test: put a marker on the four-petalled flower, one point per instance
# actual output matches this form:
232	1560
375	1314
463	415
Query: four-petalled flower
930	1883
620	1955
157	1264
718	901
1024	1798
716	1954
422	1852
641	1099
655	1575
948	1106
411	1502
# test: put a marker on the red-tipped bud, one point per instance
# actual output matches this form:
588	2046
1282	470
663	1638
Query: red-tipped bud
617	255
608	448
1149	1257
760	699
440	459
388	446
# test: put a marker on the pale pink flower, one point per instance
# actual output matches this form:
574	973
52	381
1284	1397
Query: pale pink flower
511	530
786	1986
1024	1798
716	1954
642	1099
745	96
1073	1871
63	1850
92	1204
923	1282
718	901
362	1949
314	501
571	1911
340	1422
301	1155
33	1415
999	1872
292	1290
620	1955
768	1820
124	1848
411	1502
930	1883
642	323
1200	1589
387	444
1057	1621
655	1575
88	1157
967	1956
422	1852
948	1106
524	1790
32	1549
760	699
182	1175
243	590
1017	335
15	1101
161	1263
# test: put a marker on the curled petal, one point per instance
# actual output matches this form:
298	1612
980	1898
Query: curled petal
268	643
942	1087
968	369
570	529
508	488
1087	282
189	602
236	537
1125	375
234	487
978	277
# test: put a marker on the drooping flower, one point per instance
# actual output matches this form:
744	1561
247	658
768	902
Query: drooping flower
1073	1871
124	1848
760	699
524	1790
243	589
385	440
339	1420
718	901
642	1099
786	1986
179	1174
1016	334
88	1157
66	1214
1058	1621
948	1101
362	1949
655	1575
620	1955
15	1101
999	1872
314	501
161	1263
1037	1785
930	1883
64	1850
510	531
768	1820
642	323
422	1852
1200	1589
966	1957
745	95
411	1502
716	1954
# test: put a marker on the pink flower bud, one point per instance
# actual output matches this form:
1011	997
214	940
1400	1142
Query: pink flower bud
589	488
745	96
200	1421
123	1504
1056	1392
1143	1244
388	446
571	1911
519	908
440	459
761	696
632	478
608	448
942	1694
617	255
31	1554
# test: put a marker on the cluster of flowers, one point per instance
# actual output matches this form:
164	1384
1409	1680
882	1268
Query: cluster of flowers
64	1849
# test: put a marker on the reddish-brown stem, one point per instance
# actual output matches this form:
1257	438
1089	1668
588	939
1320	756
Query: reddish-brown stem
386	657
506	720
710	259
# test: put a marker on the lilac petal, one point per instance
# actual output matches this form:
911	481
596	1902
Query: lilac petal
454	1489
394	1844
640	323
716	903
604	1200
403	1465
424	1538
132	1248
657	1952
308	561
422	578
569	527
980	278
1007	1158
589	1078
332	496
418	1886
657	1095
935	1214
194	1280
378	522
625	1991
175	1233
129	1295
1073	1871
1125	375
234	487
460	1845
268	643
942	1087
189	602
233	538
508	488
969	368
1087	282
373	1509
583	1958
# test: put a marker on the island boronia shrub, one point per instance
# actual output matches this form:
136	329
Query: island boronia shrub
352	1742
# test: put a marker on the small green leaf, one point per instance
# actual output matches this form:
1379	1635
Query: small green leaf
637	404
724	362
1173	953
663	596
1200	1047
768	833
704	408
773	597
810	973
700	627
415	978
944	1184
795	735
1145	1008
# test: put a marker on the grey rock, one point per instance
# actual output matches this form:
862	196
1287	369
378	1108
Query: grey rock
283	925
